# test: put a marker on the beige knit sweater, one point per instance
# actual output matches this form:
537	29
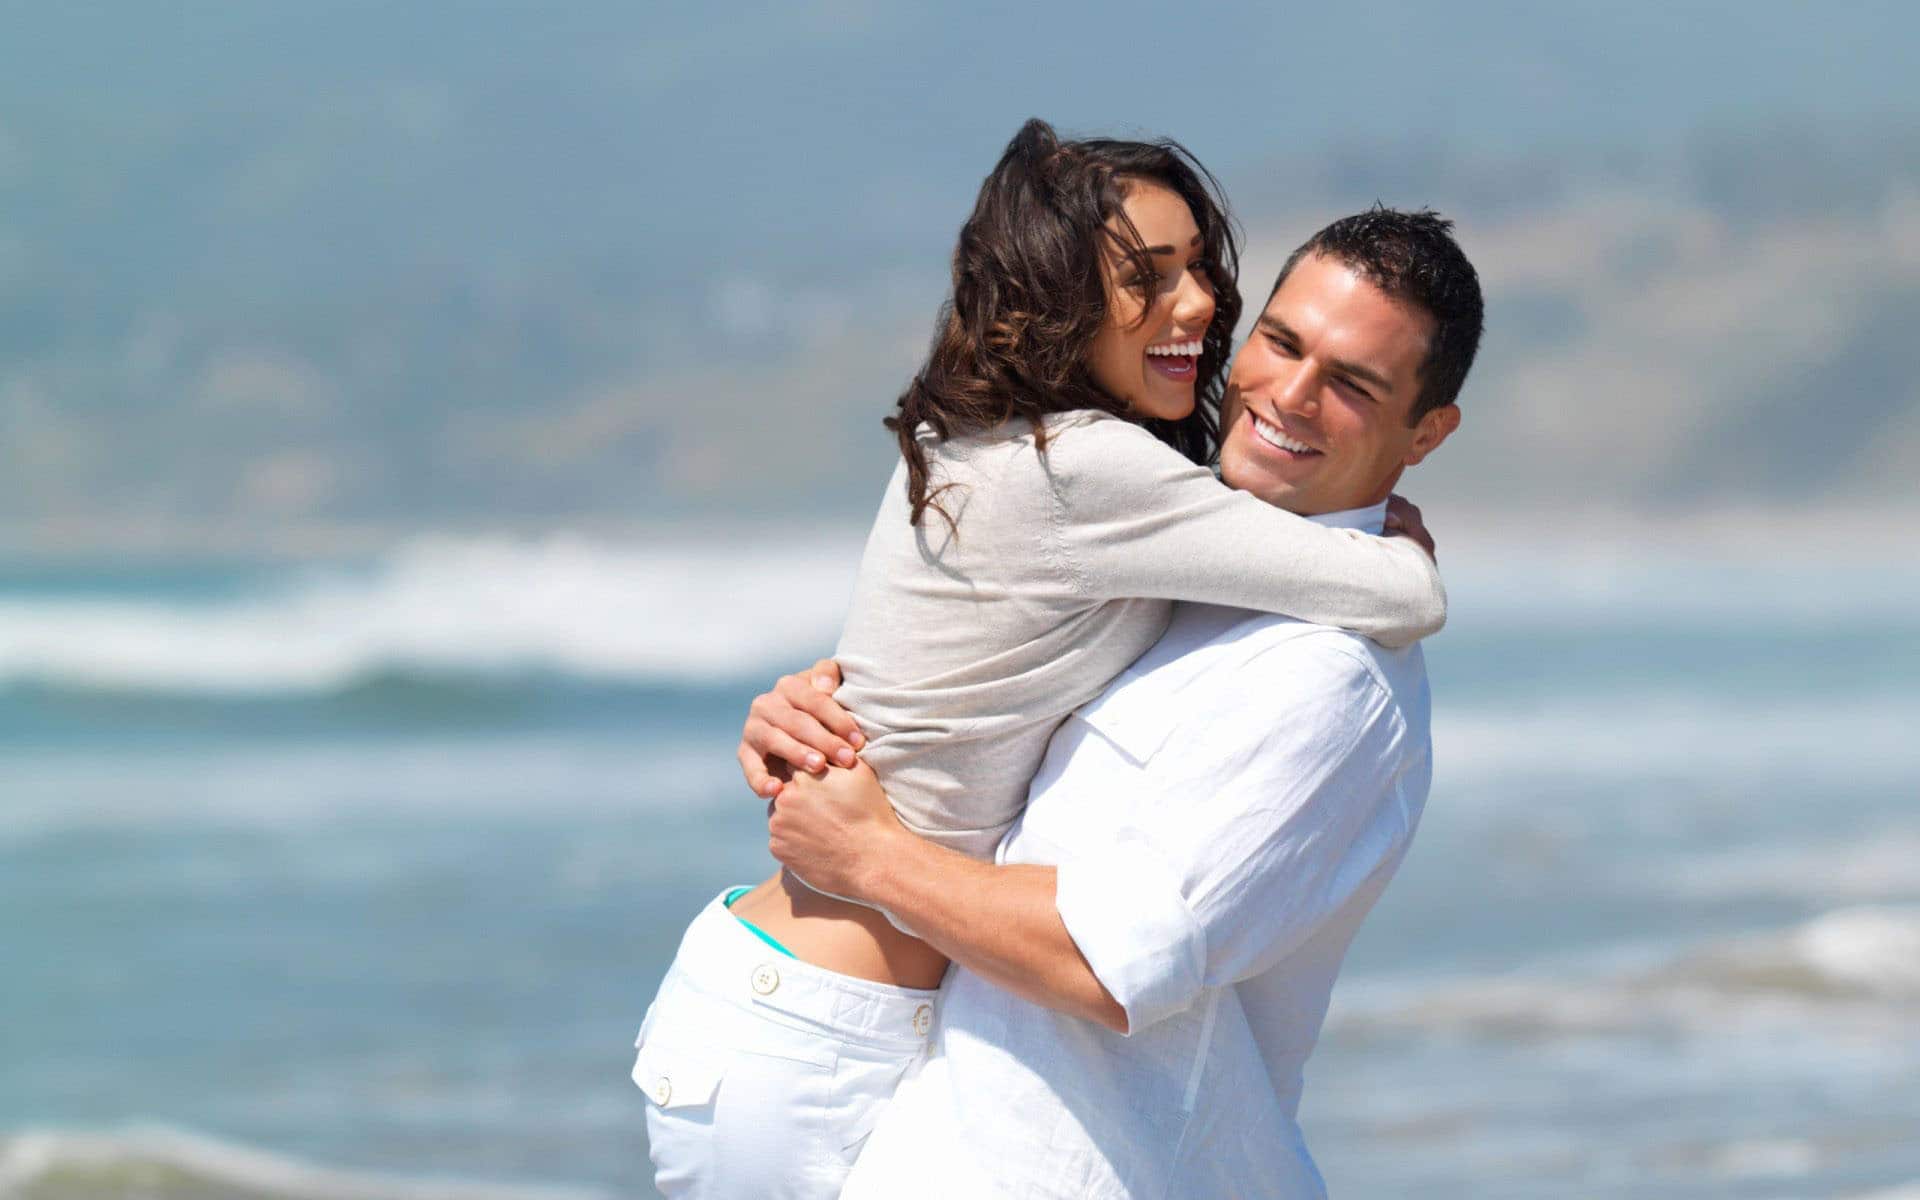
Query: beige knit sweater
962	653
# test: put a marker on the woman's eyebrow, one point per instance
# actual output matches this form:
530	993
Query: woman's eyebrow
1197	240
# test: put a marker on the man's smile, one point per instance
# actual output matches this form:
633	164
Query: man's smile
1277	438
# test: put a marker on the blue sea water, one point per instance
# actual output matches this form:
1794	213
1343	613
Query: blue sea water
353	879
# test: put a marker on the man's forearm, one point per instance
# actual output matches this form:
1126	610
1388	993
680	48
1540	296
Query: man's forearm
999	922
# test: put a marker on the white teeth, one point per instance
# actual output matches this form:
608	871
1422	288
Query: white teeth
1191	348
1271	435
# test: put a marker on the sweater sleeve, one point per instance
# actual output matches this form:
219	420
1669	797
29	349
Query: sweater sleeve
1132	518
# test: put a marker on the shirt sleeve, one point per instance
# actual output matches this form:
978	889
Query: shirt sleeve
1261	828
1132	518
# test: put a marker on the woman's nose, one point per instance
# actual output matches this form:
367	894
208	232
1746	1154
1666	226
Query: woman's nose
1193	304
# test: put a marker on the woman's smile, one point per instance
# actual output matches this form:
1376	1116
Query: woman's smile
1178	361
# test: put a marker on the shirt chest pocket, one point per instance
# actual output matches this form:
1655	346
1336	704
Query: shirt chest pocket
1134	718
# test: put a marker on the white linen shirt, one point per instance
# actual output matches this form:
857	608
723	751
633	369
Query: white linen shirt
1223	817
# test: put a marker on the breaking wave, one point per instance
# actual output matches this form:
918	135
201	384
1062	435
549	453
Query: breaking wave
437	607
169	1164
1678	732
735	603
1859	963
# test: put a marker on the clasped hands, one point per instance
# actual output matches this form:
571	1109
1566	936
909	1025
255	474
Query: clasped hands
831	825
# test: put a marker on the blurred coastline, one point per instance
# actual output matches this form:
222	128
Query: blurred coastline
420	437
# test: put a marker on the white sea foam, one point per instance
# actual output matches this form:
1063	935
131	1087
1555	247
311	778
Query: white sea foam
1881	866
737	603
1762	573
1677	730
565	604
1853	968
169	1164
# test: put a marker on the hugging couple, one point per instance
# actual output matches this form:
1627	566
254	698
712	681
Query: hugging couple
1115	752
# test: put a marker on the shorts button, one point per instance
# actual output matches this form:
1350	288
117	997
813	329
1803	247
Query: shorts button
662	1091
766	979
923	1019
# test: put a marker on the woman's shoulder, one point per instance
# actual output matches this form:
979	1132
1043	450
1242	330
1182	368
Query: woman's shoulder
1081	434
1098	453
1092	434
1089	465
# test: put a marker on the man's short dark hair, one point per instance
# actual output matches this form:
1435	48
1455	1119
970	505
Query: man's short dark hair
1412	257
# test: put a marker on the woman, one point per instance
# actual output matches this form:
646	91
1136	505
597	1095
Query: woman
1048	508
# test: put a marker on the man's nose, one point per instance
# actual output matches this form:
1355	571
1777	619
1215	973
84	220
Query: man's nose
1300	395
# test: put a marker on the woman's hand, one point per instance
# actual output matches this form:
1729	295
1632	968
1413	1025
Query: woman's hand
834	829
798	726
1403	518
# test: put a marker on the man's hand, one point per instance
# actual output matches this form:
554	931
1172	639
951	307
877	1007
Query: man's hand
834	829
1403	518
798	726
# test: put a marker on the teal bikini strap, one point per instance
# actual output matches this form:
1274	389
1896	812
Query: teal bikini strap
755	930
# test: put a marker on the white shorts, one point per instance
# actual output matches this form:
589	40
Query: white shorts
764	1074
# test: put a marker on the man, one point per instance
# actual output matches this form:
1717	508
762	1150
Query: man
1144	970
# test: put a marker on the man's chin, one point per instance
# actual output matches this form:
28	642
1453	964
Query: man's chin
1244	476
1278	493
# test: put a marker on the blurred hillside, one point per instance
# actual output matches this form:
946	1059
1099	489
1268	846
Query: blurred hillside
282	273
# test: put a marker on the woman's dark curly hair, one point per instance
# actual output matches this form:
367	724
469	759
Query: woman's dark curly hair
1029	295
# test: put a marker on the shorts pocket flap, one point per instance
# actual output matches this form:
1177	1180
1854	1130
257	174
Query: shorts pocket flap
678	1076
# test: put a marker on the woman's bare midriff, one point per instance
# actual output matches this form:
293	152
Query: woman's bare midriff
839	936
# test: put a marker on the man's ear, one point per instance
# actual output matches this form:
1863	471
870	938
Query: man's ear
1433	429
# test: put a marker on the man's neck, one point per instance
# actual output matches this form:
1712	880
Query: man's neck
1371	518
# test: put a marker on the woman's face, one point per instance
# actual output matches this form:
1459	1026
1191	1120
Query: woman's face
1148	357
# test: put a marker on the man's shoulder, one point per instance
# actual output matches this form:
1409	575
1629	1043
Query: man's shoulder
1250	646
1229	670
1236	664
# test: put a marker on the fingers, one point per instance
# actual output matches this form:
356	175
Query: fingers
769	741
777	726
1403	517
818	720
797	725
780	715
759	778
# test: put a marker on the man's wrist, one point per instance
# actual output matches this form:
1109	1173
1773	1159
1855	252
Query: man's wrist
879	875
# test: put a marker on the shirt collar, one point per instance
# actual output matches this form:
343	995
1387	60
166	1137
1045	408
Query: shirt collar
1371	519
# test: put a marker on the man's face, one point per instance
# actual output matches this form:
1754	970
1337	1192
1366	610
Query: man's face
1315	419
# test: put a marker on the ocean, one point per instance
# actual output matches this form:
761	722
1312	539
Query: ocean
341	879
